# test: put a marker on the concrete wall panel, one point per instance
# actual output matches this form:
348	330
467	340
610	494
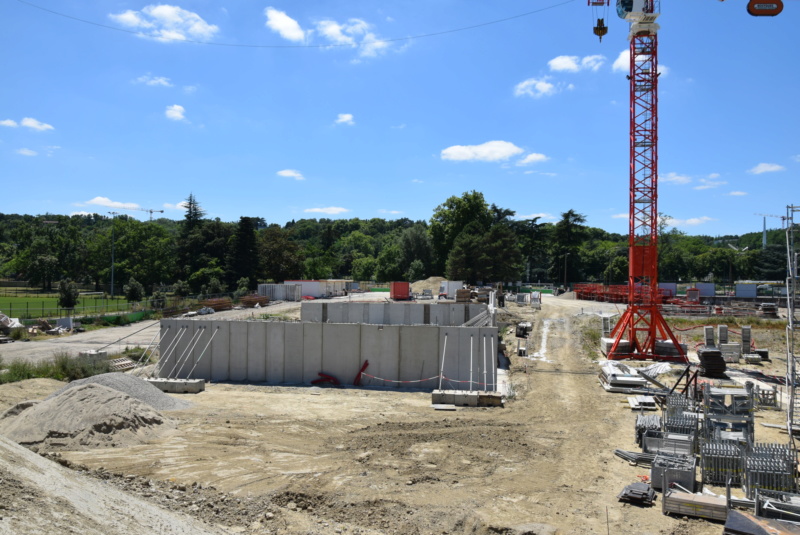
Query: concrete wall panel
380	345
200	367
257	351
341	351
440	315
275	352
220	351
469	357
312	351
169	334
375	313
419	355
311	312
449	338
238	351
417	314
293	352
457	314
183	350
397	314
357	313
490	334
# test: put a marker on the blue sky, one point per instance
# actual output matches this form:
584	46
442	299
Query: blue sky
334	113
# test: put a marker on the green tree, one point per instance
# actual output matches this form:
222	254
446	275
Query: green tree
364	268
67	294
134	291
388	266
182	289
451	218
243	252
280	257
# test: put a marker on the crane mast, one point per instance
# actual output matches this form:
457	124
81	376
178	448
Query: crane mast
642	332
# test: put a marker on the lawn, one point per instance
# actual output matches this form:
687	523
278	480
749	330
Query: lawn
41	306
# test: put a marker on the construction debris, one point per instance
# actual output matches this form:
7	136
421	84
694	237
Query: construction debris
639	493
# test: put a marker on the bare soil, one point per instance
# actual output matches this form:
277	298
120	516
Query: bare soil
299	460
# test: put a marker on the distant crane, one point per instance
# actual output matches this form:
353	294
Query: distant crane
151	210
764	233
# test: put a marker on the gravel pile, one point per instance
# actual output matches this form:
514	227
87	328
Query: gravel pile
134	387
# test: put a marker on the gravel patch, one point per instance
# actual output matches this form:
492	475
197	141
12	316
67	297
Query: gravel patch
134	387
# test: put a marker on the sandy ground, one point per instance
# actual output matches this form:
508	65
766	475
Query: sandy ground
266	459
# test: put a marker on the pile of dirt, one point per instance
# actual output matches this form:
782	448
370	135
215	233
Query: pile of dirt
132	386
86	416
431	283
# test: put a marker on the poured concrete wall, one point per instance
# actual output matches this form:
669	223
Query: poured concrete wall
391	313
400	356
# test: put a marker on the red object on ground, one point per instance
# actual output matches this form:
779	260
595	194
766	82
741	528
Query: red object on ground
357	380
399	290
325	378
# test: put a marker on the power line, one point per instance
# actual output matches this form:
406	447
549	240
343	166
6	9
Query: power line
245	45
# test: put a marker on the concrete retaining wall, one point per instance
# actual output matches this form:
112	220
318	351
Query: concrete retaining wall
400	356
444	314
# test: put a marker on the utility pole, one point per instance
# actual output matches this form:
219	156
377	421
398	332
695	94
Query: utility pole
565	271
113	215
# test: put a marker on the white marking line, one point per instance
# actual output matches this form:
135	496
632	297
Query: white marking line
541	354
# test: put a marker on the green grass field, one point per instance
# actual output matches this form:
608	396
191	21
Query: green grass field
47	306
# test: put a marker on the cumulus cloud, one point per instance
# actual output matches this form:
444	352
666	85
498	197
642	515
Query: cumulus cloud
392	212
291	173
177	206
148	79
623	63
345	118
284	25
491	151
709	184
766	168
166	23
108	203
541	215
27	152
353	33
737	193
691	222
533	157
536	88
674	178
575	63
9	122
175	112
33	124
330	210
620	216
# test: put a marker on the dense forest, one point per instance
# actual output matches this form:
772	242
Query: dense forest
465	239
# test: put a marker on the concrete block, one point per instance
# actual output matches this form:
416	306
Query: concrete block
256	351
312	351
464	398
380	344
293	342
220	351
667	348
238	351
443	397
341	351
490	399
179	386
607	343
275	352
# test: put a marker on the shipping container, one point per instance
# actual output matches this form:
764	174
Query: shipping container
399	290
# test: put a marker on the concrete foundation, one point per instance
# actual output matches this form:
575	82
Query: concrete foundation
450	314
400	356
179	386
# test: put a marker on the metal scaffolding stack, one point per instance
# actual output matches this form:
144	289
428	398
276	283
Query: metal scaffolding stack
768	472
734	421
685	424
721	462
792	364
677	405
644	423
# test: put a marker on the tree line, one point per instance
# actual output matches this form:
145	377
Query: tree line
465	239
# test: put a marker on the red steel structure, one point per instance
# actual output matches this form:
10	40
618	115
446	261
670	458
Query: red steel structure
642	325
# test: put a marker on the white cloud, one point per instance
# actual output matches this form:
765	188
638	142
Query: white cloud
354	32
623	62
533	158
709	184
9	122
166	23
108	203
620	216
392	212
284	25
27	152
575	64
345	118
491	151
417	181
175	112
147	79
663	70
189	89
336	33
691	222
177	206
737	193
796	157
674	178
372	46
713	175
536	87
766	168
291	173
30	122
330	210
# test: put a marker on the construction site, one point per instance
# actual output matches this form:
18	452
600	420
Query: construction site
317	407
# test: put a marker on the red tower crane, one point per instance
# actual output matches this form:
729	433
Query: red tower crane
641	332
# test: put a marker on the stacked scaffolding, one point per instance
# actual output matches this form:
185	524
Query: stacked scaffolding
729	421
721	462
793	369
645	423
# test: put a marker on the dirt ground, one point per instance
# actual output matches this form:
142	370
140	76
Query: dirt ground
300	460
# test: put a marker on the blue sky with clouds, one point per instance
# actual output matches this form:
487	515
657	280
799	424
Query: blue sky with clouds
365	109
